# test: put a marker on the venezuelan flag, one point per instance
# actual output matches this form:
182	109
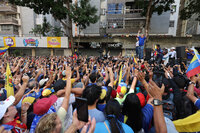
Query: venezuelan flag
3	50
194	67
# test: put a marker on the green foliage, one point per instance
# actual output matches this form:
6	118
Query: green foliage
158	6
55	7
192	8
42	30
57	31
82	13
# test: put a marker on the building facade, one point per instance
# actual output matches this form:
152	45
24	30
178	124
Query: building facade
10	21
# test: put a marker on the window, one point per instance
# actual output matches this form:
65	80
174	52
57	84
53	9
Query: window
15	29
115	23
171	23
6	28
115	8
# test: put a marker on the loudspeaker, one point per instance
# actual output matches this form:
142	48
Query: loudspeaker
148	53
180	52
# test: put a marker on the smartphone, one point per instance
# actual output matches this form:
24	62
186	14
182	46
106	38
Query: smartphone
82	109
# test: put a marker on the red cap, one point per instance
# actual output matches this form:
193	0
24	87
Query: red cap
43	105
142	66
142	99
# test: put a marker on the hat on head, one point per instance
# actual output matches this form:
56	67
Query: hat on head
64	73
103	92
122	88
173	48
28	100
4	105
42	81
43	105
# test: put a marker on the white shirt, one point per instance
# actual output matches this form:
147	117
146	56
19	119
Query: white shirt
172	54
137	43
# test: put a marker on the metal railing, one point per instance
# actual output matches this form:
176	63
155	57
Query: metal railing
8	8
8	21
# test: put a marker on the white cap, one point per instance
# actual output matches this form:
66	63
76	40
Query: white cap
42	81
4	105
173	48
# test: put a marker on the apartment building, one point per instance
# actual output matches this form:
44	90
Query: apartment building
124	17
10	23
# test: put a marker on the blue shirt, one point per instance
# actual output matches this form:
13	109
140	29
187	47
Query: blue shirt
189	55
141	40
147	112
98	115
101	128
38	117
197	103
101	107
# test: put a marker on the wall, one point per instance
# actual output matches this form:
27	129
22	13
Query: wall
174	17
94	28
160	23
164	41
27	20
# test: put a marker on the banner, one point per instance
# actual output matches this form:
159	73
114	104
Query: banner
53	42
30	42
9	41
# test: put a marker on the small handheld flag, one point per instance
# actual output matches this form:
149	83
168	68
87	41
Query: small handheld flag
194	67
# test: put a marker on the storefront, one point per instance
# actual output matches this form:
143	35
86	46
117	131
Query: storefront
36	46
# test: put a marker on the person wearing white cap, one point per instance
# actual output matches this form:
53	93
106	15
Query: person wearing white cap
8	112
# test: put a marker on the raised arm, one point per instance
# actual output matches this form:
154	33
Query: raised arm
159	121
65	103
21	91
190	92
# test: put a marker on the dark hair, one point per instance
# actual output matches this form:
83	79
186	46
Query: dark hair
59	85
133	110
112	111
93	77
92	93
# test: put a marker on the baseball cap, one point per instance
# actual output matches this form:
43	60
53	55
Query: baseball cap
43	105
42	81
64	73
4	105
103	92
173	48
122	88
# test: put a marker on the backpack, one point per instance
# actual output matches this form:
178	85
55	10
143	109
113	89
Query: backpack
169	108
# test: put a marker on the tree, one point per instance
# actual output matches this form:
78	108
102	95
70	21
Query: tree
153	6
83	14
58	8
57	31
43	29
192	8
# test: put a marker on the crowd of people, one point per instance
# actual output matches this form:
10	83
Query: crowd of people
123	96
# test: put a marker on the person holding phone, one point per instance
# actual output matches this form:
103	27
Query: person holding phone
112	123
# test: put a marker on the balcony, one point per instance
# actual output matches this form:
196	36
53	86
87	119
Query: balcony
12	21
8	8
9	33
